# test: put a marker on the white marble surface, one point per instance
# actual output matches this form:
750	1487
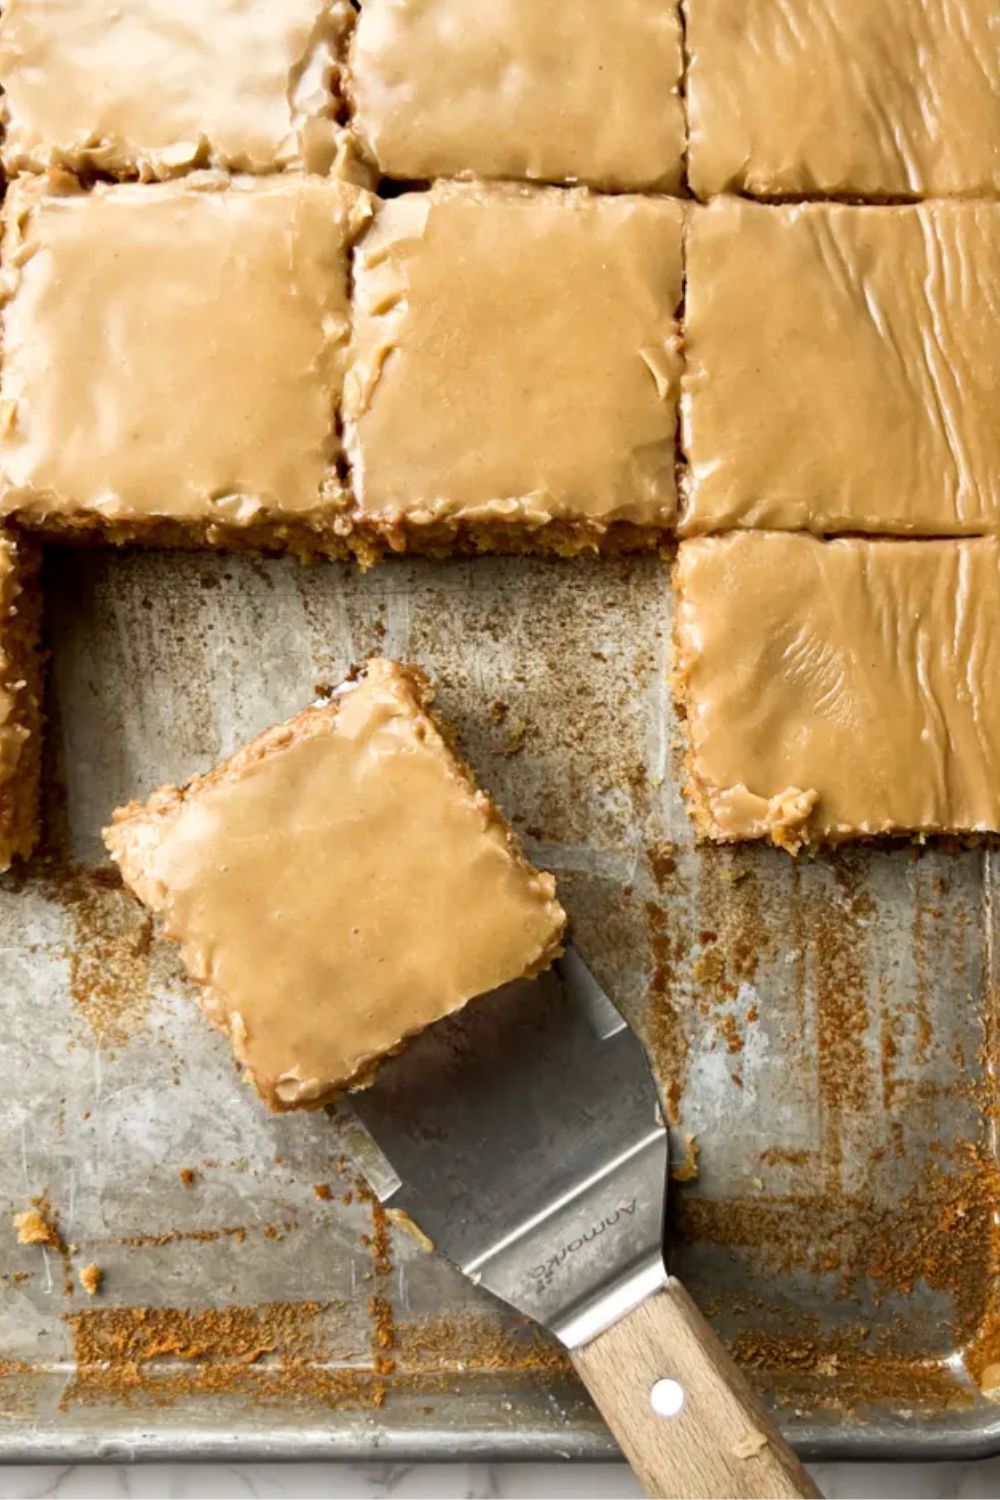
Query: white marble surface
459	1481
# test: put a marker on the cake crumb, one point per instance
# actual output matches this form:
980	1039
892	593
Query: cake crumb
322	1191
402	1220
91	1278
35	1228
687	1169
749	1446
188	1176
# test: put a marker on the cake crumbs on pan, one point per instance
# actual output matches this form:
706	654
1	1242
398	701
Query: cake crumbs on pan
401	1219
480	1342
380	1309
91	1278
323	1191
148	1358
34	1228
686	1170
174	1236
38	1225
109	950
188	1176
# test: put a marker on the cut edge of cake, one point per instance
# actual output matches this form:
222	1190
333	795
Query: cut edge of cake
21	697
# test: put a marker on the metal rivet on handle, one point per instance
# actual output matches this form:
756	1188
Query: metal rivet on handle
667	1398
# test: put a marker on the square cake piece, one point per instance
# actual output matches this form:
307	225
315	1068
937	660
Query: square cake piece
842	371
153	88
569	91
337	885
890	98
173	356
839	689
514	371
20	698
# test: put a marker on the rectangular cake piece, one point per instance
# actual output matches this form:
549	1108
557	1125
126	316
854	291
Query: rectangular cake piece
151	88
337	885
173	356
513	379
863	98
842	371
20	698
839	689
570	91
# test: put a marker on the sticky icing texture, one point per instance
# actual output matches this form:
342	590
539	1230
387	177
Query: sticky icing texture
515	359
20	698
175	349
872	98
573	90
842	371
156	87
338	885
839	689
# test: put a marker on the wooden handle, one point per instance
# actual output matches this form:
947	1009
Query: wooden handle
715	1441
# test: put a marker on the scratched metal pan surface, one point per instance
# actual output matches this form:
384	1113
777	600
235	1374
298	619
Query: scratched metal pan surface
824	1031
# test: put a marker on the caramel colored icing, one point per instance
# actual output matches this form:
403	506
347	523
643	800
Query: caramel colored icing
175	349
338	885
842	367
874	98
551	93
842	688
156	87
515	358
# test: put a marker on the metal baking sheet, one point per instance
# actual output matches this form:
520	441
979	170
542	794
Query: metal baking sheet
824	1030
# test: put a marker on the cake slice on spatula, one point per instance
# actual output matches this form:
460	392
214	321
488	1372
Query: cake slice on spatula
337	885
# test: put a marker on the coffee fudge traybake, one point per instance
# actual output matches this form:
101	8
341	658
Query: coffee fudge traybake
839	689
567	93
531	336
513	378
896	99
142	88
172	356
868	397
337	885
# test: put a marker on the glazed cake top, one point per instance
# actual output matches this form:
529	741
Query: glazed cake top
338	885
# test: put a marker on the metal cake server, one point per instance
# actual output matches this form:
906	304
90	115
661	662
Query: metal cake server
524	1137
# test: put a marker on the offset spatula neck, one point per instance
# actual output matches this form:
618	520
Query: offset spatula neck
604	1308
525	1139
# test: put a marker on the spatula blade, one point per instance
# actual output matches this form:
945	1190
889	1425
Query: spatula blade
524	1137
